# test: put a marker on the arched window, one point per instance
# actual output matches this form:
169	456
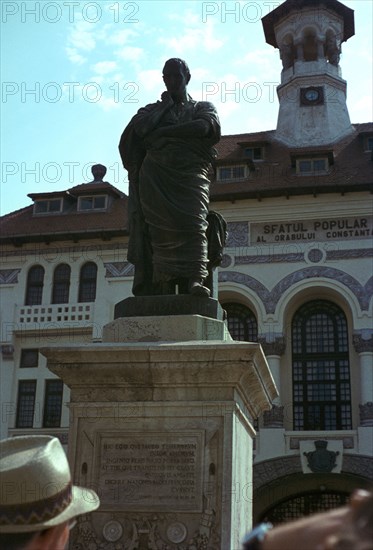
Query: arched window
34	288
87	282
242	323
61	284
321	371
310	45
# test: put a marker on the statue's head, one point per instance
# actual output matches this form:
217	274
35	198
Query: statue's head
176	75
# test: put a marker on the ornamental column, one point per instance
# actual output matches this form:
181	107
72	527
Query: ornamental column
364	347
271	440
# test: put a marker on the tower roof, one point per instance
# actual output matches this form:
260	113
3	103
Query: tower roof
270	20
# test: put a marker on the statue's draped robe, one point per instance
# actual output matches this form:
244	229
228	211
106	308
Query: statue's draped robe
169	195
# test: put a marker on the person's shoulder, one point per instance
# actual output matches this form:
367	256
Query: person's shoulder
205	106
148	107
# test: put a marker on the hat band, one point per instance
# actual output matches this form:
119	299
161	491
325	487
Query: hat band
36	512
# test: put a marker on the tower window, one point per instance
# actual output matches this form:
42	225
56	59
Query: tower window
321	371
310	46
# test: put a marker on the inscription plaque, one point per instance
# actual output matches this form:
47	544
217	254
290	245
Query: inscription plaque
320	230
156	471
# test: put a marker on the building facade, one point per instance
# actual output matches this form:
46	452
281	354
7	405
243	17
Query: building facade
297	270
63	271
296	275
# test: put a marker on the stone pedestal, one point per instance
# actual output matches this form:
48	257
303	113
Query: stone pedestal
163	432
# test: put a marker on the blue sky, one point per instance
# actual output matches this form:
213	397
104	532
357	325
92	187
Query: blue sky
74	73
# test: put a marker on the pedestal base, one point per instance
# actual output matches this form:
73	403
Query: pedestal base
181	304
180	328
163	432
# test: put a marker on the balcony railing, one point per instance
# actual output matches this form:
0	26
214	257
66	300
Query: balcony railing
81	313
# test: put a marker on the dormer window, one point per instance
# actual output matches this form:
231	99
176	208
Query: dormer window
254	153
48	206
312	166
369	144
94	202
232	173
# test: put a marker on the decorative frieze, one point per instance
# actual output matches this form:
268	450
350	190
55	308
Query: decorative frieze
274	418
238	234
271	298
321	460
294	442
315	255
119	269
276	346
277	468
363	342
9	276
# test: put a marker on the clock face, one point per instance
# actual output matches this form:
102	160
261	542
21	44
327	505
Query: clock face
312	95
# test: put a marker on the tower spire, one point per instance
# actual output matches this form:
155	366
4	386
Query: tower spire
312	93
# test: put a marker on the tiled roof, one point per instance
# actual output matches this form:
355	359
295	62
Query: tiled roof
24	226
276	174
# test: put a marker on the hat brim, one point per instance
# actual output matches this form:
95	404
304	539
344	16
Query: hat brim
83	501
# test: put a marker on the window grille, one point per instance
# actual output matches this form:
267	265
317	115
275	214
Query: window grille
242	322
321	372
52	403
87	282
34	288
61	284
26	403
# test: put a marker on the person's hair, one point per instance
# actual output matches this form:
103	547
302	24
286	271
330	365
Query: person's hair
182	63
15	541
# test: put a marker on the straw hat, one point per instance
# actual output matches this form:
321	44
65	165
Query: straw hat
36	490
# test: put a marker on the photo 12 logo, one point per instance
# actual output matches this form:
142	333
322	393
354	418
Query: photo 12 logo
53	92
249	12
250	92
52	172
53	12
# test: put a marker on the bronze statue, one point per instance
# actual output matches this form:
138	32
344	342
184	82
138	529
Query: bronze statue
167	149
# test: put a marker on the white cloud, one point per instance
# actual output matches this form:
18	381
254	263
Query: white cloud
130	53
108	103
120	38
193	38
74	56
104	67
82	37
187	18
361	109
150	80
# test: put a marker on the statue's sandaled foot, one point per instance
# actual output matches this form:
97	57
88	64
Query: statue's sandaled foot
196	288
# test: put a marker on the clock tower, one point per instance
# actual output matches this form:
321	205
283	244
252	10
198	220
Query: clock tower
312	93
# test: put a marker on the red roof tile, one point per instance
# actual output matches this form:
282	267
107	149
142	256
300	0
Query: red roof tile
24	226
276	175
